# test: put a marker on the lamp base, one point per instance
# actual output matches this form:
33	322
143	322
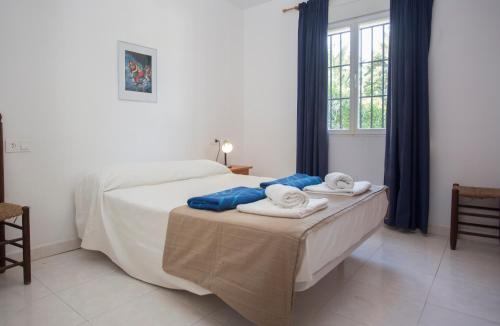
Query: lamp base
225	159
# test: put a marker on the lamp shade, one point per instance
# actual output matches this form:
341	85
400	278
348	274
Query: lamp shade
227	147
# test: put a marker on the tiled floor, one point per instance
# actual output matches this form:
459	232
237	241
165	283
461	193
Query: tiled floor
393	279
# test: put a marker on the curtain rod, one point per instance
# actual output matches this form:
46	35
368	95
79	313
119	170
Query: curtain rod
285	10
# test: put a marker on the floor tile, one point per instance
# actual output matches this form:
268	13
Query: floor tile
205	304
14	294
384	282
309	302
95	297
369	247
370	305
207	321
469	246
428	244
328	318
418	261
473	299
227	317
70	269
155	308
47	311
434	315
393	278
472	265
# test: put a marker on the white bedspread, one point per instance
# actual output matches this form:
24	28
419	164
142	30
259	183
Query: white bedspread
128	221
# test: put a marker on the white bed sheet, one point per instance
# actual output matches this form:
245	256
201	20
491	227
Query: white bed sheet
133	228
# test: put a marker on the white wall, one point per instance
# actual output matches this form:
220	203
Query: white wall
270	94
465	110
464	102
59	90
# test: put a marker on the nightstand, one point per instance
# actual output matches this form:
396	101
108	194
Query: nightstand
240	169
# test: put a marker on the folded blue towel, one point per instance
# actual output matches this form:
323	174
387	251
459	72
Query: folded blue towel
227	199
297	180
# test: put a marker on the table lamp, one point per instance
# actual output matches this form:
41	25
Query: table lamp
226	148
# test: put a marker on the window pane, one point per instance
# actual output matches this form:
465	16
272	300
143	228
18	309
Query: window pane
334	114
373	71
377	112
346	80
329	46
377	78
336	49
346	48
339	88
366	79
329	84
346	108
378	37
335	86
365	113
366	44
386	40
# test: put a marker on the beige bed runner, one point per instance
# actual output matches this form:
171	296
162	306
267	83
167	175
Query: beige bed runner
249	261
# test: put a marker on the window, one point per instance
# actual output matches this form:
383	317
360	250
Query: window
357	76
339	79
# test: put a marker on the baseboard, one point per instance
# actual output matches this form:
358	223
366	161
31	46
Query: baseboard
48	250
441	230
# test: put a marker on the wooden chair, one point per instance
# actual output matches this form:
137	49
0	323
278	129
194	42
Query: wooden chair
8	211
472	210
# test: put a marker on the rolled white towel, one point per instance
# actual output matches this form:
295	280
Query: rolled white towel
286	196
338	180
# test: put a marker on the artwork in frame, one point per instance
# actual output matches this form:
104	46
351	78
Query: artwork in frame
136	72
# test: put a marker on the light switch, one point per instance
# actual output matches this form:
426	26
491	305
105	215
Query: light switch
17	146
11	146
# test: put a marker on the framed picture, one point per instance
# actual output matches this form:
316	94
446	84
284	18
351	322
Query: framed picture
136	72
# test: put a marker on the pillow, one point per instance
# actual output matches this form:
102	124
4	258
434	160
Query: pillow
141	174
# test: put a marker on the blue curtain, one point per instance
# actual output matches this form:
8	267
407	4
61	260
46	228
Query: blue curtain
312	134
407	142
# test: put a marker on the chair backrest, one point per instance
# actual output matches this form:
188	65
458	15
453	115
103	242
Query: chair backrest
2	190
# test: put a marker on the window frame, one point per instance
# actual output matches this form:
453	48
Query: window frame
354	27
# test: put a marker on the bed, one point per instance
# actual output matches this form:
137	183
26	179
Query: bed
124	213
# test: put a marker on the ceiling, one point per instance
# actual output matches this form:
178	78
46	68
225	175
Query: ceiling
248	3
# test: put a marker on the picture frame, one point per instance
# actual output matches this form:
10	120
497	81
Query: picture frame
137	72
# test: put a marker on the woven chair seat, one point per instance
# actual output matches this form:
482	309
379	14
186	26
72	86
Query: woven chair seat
477	192
10	210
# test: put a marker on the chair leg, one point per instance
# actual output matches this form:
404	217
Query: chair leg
26	246
454	218
2	247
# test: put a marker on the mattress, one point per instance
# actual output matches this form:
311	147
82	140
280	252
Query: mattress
133	221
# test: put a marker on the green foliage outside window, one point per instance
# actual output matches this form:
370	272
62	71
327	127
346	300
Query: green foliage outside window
372	72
